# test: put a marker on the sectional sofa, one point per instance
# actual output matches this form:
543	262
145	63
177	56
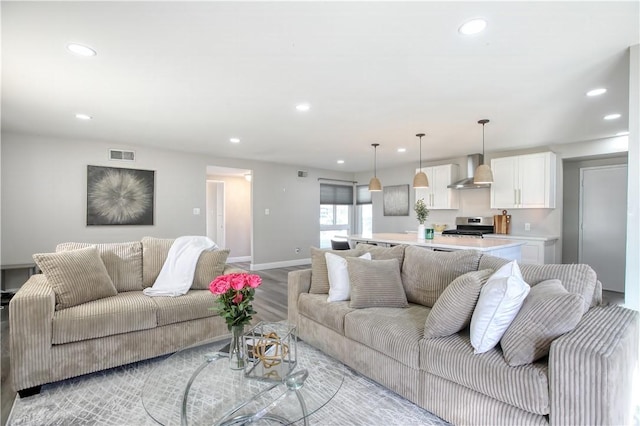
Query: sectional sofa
584	378
87	312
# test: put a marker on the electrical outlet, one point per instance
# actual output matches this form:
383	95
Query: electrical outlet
297	249
527	226
196	211
267	212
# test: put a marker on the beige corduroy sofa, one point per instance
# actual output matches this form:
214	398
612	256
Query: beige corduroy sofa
585	380
50	344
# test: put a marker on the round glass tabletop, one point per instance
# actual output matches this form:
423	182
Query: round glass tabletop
195	386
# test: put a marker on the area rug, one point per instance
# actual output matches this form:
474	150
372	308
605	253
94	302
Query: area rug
112	397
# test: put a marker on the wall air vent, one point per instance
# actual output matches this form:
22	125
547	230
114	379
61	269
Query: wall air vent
121	155
303	173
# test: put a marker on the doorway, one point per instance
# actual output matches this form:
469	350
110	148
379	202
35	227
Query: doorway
215	212
603	223
229	211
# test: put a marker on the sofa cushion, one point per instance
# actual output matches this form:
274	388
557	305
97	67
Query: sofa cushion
391	331
453	309
319	274
122	313
76	276
339	285
426	273
548	312
452	358
193	305
499	302
155	250
375	283
329	314
384	253
122	260
576	278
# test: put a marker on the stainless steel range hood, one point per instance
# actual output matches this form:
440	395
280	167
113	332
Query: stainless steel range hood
473	161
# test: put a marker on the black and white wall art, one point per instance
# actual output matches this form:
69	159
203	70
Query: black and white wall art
395	200
117	196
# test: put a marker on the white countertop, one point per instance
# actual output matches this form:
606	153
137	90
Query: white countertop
523	237
446	243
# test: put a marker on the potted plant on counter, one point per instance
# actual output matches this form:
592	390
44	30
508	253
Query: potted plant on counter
421	213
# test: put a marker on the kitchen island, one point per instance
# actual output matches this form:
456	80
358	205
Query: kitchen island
507	249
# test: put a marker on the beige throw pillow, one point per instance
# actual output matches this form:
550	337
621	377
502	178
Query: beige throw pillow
122	260
76	276
453	310
210	265
319	274
548	312
376	283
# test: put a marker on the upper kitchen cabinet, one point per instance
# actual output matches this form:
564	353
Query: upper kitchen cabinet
437	196
524	181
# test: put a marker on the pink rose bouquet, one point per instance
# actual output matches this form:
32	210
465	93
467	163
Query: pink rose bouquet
235	293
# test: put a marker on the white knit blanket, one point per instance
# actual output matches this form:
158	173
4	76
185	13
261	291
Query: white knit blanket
177	273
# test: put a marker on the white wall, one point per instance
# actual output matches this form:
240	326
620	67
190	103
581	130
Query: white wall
632	280
44	198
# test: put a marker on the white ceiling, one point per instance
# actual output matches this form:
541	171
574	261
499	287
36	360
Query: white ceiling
191	75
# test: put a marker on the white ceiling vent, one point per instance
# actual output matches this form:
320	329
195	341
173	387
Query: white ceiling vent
119	154
303	173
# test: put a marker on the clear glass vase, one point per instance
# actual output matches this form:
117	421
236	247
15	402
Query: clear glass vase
237	356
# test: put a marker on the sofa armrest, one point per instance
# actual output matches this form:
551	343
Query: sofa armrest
298	282
31	323
591	369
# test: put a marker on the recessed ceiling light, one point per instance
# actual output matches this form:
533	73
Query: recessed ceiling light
473	26
612	116
340	161
83	117
597	92
402	149
303	107
622	133
80	50
234	140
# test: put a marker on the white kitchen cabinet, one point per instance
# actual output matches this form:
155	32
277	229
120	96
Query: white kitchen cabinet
535	251
437	196
524	181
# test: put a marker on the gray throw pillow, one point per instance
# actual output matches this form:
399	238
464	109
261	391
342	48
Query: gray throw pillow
319	274
376	284
384	253
426	273
548	312
76	276
453	310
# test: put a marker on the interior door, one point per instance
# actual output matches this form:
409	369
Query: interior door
603	223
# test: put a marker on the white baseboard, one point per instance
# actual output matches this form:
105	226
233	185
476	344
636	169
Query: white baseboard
283	264
239	259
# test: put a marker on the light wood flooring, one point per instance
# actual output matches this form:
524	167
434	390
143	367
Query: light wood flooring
270	304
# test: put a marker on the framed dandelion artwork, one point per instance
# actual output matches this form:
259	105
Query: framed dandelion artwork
117	196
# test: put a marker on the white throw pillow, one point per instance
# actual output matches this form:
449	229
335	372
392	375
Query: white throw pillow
339	286
499	302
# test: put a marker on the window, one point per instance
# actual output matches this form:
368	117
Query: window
336	211
364	210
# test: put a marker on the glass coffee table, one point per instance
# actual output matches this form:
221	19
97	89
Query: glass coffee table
195	386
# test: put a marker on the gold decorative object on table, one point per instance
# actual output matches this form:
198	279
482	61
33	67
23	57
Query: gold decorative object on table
272	351
271	343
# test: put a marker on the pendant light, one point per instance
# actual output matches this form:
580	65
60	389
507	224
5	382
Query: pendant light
374	183
420	180
483	173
